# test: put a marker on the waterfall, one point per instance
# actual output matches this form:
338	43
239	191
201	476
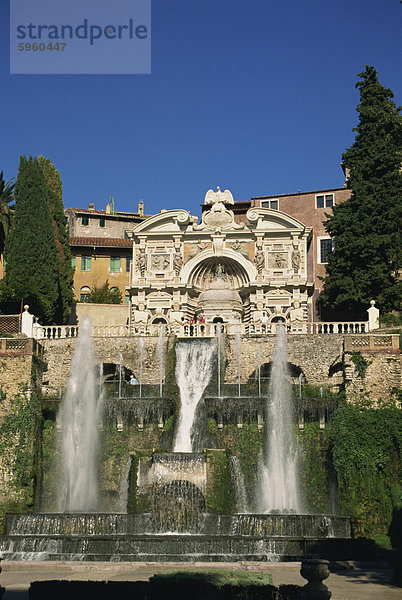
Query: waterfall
80	416
141	359
277	477
238	354
237	481
160	357
194	362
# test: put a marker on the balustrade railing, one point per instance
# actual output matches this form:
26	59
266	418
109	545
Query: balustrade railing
207	330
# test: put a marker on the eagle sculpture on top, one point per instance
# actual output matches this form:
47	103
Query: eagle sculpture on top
212	197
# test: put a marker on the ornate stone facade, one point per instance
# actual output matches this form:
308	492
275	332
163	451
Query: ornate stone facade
223	269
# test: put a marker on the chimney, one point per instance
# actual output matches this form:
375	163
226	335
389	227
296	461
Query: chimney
91	206
140	209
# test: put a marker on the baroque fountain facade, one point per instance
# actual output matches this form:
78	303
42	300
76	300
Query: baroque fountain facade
200	459
180	475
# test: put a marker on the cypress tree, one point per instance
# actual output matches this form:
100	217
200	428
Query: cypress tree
366	261
66	272
30	250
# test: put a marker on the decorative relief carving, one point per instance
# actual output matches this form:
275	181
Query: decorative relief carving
142	262
177	263
160	262
296	258
259	261
278	260
240	247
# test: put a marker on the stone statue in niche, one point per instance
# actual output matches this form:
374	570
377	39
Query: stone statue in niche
296	313
259	261
177	263
142	262
296	260
220	271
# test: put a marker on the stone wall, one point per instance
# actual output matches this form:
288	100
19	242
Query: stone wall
383	376
316	355
321	358
20	416
15	374
59	353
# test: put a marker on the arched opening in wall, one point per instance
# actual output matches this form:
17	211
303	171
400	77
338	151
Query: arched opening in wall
159	321
217	320
335	377
84	293
295	374
229	269
114	378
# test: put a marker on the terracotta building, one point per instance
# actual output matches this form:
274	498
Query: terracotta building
101	248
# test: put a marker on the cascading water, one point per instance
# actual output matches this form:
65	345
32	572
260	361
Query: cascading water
238	485
160	354
238	354
141	358
193	372
277	477
80	415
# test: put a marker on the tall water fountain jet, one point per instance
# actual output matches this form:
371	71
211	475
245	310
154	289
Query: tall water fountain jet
259	369
141	358
160	355
194	362
219	350
238	354
277	477
80	415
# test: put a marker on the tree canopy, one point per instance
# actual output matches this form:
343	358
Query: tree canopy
6	216
66	271
30	249
366	261
104	295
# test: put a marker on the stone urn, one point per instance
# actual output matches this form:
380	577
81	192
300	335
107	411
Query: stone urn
315	570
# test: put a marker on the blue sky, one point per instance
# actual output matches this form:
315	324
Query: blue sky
252	95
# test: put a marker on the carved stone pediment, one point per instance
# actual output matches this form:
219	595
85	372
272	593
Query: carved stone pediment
218	217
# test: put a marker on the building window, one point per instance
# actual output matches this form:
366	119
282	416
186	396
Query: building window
102	222
84	293
115	264
84	220
73	261
128	264
324	201
85	263
325	247
274	204
126	299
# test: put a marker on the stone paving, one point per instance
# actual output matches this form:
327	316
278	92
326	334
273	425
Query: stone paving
348	581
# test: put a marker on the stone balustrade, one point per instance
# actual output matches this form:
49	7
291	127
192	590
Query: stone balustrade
20	346
372	343
353	330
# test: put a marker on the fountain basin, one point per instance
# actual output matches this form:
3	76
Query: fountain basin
119	537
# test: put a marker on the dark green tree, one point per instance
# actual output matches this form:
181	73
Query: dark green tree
6	215
366	261
104	295
30	250
66	271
